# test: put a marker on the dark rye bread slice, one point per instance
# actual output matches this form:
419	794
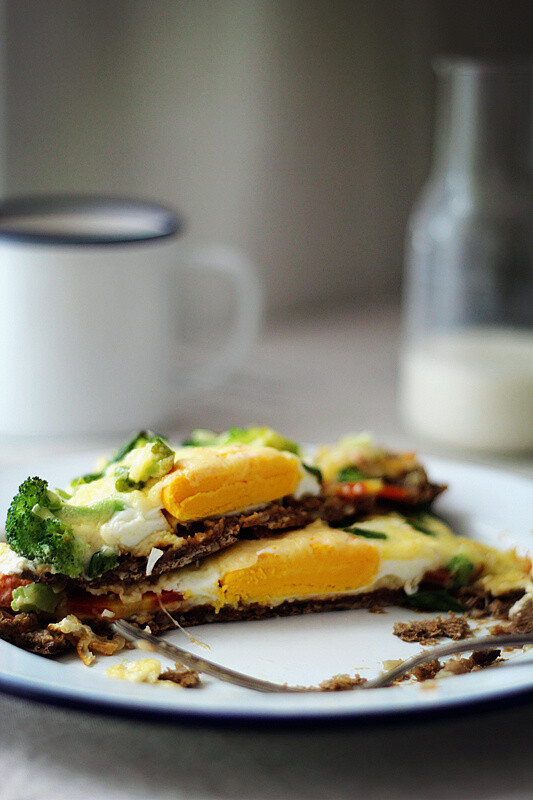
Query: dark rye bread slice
477	604
160	621
200	539
30	632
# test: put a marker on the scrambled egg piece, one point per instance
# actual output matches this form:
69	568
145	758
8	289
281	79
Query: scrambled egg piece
146	670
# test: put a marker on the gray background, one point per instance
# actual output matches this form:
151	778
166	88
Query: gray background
296	130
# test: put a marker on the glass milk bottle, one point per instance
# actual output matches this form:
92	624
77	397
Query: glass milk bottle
466	373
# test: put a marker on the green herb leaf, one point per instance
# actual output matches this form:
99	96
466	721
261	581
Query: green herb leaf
350	474
433	600
101	562
420	523
461	570
313	471
366	533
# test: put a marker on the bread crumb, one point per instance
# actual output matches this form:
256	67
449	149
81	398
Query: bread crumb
427	671
478	660
428	631
340	683
188	678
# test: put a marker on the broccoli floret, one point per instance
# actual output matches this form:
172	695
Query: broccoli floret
151	460
139	440
161	461
35	597
39	526
123	481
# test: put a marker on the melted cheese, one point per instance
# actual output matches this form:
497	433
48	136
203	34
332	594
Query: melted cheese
500	571
137	528
358	450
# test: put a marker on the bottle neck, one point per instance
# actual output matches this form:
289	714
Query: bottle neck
484	119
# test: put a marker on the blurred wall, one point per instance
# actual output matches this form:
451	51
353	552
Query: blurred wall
298	130
3	83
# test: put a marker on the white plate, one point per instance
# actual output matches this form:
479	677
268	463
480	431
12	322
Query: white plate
494	507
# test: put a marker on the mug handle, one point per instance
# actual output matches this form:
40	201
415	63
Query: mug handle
245	328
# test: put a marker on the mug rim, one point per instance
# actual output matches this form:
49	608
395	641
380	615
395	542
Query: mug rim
165	221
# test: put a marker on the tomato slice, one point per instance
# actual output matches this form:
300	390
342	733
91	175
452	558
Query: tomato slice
392	492
439	577
85	605
352	489
8	584
373	487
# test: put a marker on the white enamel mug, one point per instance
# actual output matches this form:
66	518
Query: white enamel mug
89	298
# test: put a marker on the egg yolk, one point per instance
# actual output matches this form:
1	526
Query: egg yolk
210	482
316	568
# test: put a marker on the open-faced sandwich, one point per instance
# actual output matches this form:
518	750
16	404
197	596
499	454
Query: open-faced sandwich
234	526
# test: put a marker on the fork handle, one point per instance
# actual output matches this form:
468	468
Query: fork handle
440	651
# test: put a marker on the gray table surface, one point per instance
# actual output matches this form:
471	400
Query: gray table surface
313	377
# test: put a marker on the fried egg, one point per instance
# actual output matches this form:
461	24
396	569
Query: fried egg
319	562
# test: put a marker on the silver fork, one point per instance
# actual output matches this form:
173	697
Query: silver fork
148	642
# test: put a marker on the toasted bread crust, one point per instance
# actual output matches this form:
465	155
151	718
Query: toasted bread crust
29	632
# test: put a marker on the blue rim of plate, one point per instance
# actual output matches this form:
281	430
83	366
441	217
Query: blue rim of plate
161	221
512	696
